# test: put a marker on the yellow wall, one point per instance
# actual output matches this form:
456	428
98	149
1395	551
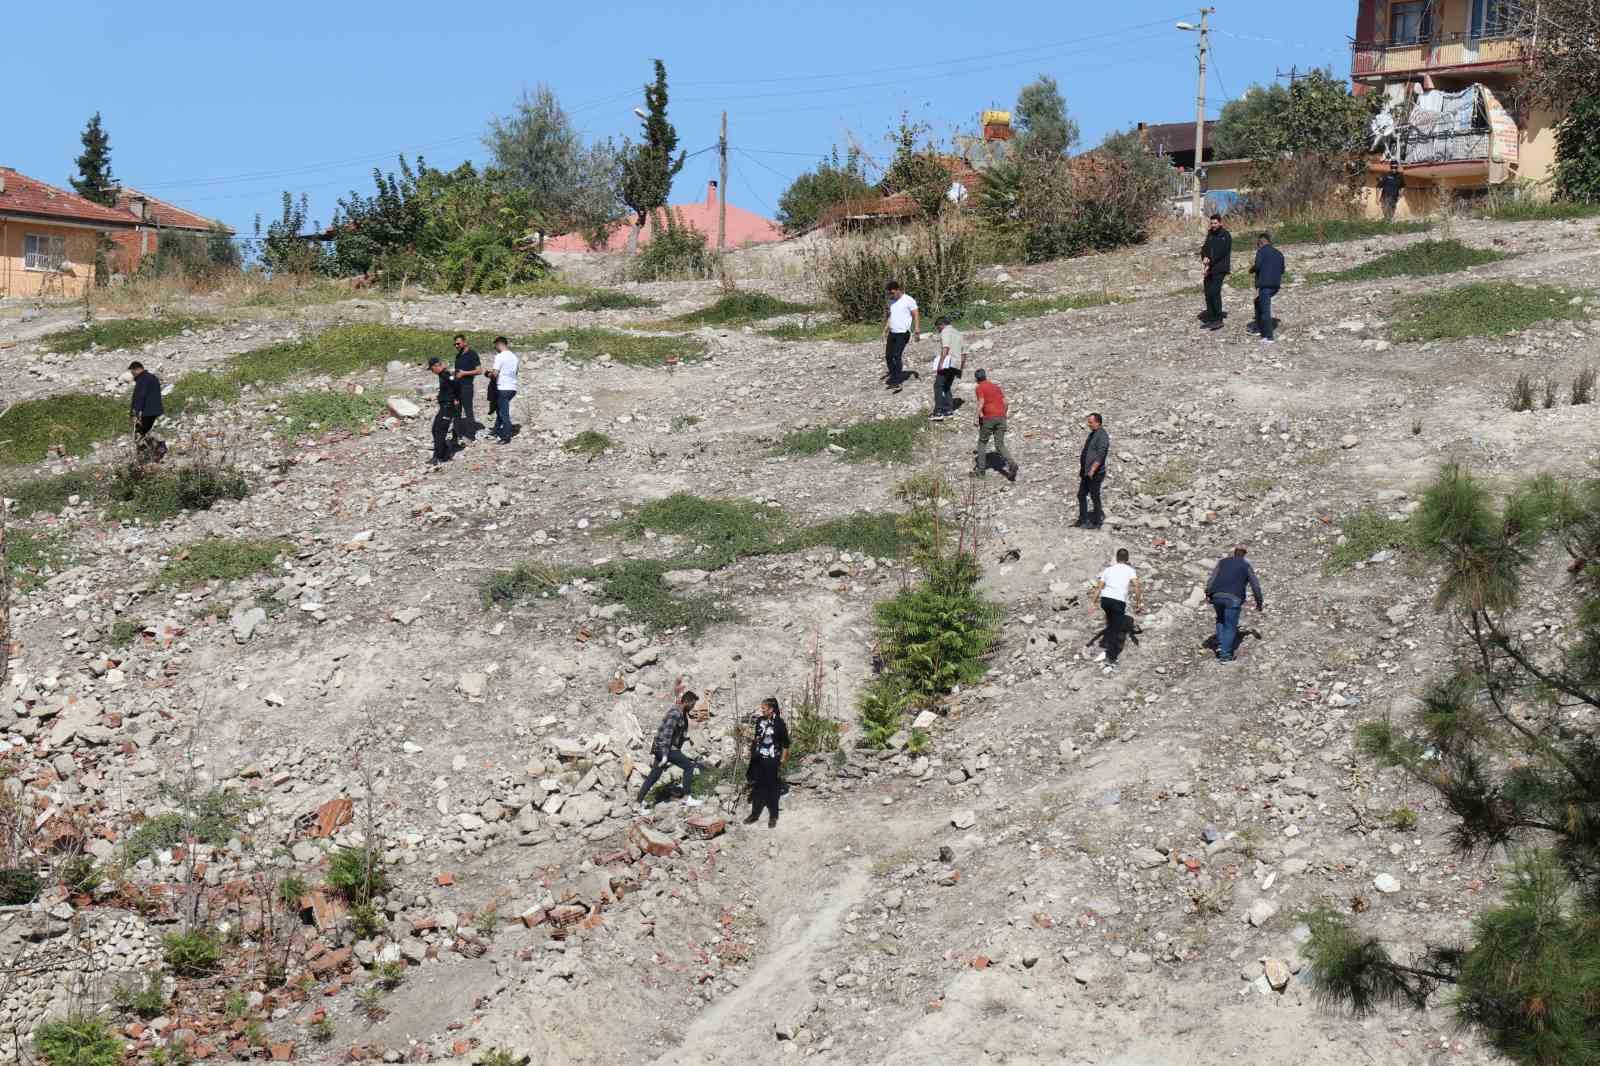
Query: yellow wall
1537	156
17	280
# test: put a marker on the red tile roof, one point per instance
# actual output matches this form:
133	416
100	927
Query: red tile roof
161	213
33	198
1170	138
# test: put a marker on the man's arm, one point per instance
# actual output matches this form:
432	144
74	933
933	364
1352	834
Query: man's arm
916	323
1255	584
1094	598
1211	582
1138	596
1101	448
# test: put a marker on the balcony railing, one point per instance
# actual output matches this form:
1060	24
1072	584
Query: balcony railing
1452	146
1435	52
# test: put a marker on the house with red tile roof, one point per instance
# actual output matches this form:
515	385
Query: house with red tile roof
744	227
154	218
48	237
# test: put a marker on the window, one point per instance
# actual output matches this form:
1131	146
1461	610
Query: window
1495	18
43	253
1409	22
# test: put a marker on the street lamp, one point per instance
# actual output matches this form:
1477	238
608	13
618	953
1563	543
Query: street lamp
640	112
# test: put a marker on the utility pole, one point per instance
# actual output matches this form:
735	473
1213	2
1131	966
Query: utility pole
1204	47
722	190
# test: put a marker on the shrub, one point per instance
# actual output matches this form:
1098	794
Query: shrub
358	874
390	975
522	582
1366	533
81	875
144	490
210	817
885	440
1315	185
637	585
323	1030
192	954
1583	386
308	412
18	886
1578	153
291	890
937	264
1549	393
675	251
882	711
141	1001
77	1041
1521	394
590	442
366	921
1098	227
1105	201
936	633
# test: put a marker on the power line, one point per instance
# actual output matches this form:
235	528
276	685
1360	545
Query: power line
751	186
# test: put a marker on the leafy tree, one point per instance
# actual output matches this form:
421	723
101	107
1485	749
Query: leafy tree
812	193
379	233
1251	126
475	232
94	180
1510	743
1043	128
1578	152
648	168
281	248
1561	41
597	205
917	169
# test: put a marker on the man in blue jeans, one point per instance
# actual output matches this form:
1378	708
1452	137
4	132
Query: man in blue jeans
668	750
1225	589
1268	269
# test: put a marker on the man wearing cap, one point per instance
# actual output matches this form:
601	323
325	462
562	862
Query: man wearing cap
449	411
144	409
991	423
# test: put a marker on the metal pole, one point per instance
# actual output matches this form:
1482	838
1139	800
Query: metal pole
1200	112
722	190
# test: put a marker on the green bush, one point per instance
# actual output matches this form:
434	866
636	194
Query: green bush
222	559
141	1001
590	442
192	954
210	817
358	874
675	251
81	875
153	493
884	440
77	1041
525	581
366	921
937	264
1099	227
319	412
638	586
18	886
1578	154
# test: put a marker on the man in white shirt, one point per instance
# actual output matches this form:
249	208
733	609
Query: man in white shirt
504	374
947	366
1111	594
902	324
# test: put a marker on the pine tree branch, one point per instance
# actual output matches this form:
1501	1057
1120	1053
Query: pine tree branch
1480	618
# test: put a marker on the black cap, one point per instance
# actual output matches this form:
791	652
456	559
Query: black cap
435	361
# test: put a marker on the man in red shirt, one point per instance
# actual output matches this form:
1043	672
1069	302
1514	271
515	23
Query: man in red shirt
992	423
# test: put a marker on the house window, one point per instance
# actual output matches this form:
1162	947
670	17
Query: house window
1409	22
1495	18
41	252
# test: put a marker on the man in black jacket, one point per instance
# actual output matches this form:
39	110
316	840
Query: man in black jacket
667	750
1389	190
1268	269
769	750
1091	473
1225	589
1217	255
447	414
468	366
144	409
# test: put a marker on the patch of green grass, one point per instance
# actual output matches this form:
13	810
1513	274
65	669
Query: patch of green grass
1170	477
1366	533
51	493
590	442
287	295
628	349
117	333
319	412
155	494
71	421
1243	279
33	557
734	309
1336	230
77	1041
358	874
1480	310
140	1001
609	300
729	528
828	330
124	632
637	585
1422	259
222	560
886	440
683	422
192	954
992	304
525	581
864	533
1527	209
213	817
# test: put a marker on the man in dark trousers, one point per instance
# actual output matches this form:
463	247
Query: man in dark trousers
143	411
667	750
1225	589
1091	474
444	419
1268	270
901	324
468	366
1389	190
991	423
1111	595
1217	256
769	750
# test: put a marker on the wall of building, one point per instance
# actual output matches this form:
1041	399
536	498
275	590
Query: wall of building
17	280
1537	156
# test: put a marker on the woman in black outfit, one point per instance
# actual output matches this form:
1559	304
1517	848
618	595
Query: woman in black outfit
768	751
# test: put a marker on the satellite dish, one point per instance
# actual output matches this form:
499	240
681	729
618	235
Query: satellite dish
956	193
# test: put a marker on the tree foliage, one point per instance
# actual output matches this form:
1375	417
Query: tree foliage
648	168
1317	115
93	180
917	169
1577	174
1250	127
281	249
832	182
1043	127
1561	41
1509	742
571	188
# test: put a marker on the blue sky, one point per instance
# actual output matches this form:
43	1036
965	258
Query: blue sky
221	107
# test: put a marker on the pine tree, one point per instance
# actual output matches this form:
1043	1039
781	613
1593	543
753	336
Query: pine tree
94	180
648	168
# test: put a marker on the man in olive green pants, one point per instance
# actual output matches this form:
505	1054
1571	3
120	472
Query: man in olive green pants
991	425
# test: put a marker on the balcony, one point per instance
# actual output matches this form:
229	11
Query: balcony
1438	54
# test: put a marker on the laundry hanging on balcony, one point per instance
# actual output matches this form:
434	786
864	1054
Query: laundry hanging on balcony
1443	128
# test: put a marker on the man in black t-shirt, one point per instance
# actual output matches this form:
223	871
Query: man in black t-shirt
449	410
468	366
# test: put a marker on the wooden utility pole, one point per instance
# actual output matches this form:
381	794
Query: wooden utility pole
1200	113
722	190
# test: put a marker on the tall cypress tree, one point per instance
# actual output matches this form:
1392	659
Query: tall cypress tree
648	168
94	180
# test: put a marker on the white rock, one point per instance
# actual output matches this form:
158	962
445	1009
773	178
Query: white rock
963	819
1386	883
401	407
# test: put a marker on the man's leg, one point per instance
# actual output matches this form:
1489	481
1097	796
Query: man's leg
1000	440
1098	515
1083	501
1264	311
441	436
651	778
894	356
1213	286
686	764
1227	626
503	416
980	464
1116	612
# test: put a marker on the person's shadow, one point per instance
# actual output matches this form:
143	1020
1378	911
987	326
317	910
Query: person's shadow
1210	643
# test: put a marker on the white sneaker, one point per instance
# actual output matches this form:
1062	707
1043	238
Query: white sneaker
1100	658
1268	340
690	801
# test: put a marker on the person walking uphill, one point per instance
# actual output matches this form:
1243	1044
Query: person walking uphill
668	750
947	366
468	366
444	419
769	750
1225	589
1111	595
901	324
1268	269
1092	474
503	379
1217	256
991	423
144	409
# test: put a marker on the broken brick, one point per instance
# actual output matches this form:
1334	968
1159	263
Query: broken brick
282	1052
653	841
445	879
327	963
328	818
